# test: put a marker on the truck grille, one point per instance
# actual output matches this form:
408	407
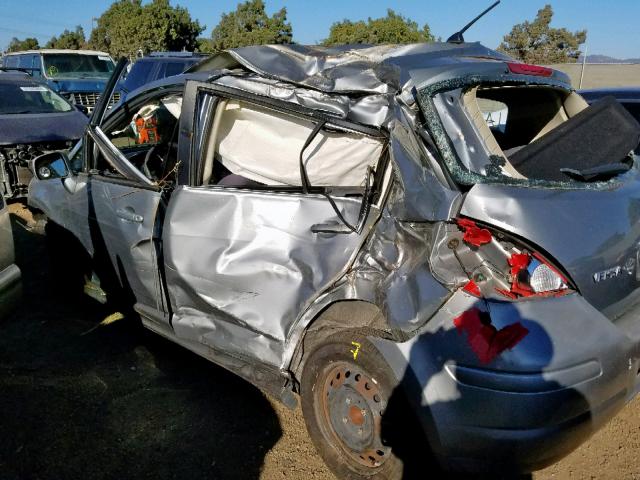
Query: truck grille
89	99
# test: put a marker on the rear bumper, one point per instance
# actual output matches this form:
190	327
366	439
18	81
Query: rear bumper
531	405
10	289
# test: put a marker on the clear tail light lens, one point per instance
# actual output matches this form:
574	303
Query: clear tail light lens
543	279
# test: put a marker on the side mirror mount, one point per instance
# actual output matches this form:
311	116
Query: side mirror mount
51	165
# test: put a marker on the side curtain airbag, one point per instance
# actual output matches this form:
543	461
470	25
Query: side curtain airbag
265	147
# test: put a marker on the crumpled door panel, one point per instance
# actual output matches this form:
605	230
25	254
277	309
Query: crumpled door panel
242	265
122	220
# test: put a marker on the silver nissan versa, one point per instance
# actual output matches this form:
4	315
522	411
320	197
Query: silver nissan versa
434	247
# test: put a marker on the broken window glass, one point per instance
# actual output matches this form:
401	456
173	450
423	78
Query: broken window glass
518	133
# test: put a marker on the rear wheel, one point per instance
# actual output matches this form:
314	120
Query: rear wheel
348	394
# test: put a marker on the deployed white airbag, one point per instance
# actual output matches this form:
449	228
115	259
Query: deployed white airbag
264	146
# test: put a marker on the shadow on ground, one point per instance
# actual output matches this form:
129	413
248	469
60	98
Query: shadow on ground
91	400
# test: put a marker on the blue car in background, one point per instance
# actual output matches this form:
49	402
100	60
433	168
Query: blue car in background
78	75
33	120
155	66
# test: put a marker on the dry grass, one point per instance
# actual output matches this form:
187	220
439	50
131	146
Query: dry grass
597	75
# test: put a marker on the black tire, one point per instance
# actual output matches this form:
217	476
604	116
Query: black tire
336	383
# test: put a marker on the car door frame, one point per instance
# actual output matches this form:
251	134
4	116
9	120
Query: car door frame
191	177
131	177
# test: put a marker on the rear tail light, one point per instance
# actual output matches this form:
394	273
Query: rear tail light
543	278
501	267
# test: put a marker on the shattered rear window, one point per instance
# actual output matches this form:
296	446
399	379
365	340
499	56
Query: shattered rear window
533	134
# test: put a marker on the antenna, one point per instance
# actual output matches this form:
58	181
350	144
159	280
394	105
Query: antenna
457	37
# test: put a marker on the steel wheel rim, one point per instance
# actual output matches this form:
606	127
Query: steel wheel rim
351	409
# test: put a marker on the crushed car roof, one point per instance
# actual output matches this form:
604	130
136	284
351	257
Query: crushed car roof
353	82
379	69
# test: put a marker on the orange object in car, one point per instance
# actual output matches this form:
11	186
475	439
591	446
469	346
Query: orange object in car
147	130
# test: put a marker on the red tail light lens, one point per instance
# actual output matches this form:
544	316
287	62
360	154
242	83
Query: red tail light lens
498	266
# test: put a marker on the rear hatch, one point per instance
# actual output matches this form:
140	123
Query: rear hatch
594	234
540	164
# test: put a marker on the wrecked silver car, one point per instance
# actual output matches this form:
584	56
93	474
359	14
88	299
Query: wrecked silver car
434	247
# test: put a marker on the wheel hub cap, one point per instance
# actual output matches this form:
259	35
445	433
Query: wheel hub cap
353	405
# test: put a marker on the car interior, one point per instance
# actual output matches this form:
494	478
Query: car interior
149	139
550	134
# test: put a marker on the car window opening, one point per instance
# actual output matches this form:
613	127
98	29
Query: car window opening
251	146
545	133
149	140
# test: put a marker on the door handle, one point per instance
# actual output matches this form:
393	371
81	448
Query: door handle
331	227
129	215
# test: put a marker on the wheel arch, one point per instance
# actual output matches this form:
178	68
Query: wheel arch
348	315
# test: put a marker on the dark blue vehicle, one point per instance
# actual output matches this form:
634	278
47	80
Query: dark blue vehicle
78	75
155	66
33	120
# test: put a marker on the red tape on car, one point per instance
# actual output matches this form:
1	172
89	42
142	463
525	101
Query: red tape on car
485	340
472	289
473	234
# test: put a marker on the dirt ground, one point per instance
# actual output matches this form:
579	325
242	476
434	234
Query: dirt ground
87	395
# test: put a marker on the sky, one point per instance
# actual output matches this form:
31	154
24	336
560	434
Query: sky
613	26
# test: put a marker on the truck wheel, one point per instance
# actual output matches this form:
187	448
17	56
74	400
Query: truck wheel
346	391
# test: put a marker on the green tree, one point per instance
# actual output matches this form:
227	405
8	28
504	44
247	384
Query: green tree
127	27
538	42
72	40
249	24
16	45
394	28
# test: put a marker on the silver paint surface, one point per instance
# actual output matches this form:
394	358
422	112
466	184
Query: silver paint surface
129	242
241	265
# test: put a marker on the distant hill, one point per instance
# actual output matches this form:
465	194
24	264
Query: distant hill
607	59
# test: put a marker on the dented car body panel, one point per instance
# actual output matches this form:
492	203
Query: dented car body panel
475	284
10	276
284	264
563	381
577	216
